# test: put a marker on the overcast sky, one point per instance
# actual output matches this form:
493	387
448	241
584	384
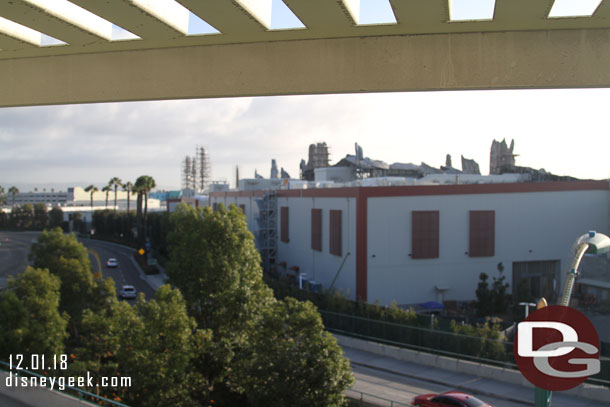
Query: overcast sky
563	131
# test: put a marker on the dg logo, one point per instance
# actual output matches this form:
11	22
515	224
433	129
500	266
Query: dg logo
557	348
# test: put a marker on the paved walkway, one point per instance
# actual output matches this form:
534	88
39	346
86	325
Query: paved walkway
498	393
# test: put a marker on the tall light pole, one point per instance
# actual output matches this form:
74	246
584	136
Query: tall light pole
590	243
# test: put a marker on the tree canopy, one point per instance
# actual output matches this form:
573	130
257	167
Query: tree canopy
261	348
293	361
30	321
68	259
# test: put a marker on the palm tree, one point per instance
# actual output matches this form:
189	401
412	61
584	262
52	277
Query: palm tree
114	183
2	198
144	184
92	189
128	186
13	191
107	190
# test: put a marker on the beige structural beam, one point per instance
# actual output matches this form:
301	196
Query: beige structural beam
491	60
159	19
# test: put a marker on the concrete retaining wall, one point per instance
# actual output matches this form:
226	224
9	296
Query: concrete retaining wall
587	391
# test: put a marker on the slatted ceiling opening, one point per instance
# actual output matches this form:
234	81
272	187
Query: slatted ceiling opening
177	23
60	19
325	14
121	34
376	12
148	19
471	10
574	8
15	36
226	16
48	41
282	18
198	26
259	9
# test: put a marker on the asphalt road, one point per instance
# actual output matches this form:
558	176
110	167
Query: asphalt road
402	389
14	250
125	273
6	401
15	247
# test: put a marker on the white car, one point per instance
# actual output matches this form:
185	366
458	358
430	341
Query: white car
127	291
112	263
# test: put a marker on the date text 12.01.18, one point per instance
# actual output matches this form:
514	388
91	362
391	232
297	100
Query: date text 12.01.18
38	362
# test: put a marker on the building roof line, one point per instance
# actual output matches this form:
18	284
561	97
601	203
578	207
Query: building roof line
422	190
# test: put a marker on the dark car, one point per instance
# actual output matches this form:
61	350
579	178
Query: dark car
449	399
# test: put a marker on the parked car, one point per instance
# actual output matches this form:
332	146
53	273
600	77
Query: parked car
449	399
127	291
112	263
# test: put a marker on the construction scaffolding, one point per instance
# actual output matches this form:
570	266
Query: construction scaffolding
196	171
203	169
188	173
267	230
318	157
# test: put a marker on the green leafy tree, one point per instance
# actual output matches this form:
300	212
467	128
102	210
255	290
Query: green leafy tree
92	189
483	340
100	338
13	191
40	216
214	263
115	183
2	196
154	343
498	292
168	342
66	258
483	293
30	321
22	216
293	361
56	217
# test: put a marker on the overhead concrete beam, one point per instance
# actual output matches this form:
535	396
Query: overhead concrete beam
233	17
504	60
146	19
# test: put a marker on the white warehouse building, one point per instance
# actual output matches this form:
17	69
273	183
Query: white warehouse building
417	243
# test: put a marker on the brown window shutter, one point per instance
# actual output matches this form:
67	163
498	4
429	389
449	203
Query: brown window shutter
335	233
425	234
316	229
482	234
284	224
